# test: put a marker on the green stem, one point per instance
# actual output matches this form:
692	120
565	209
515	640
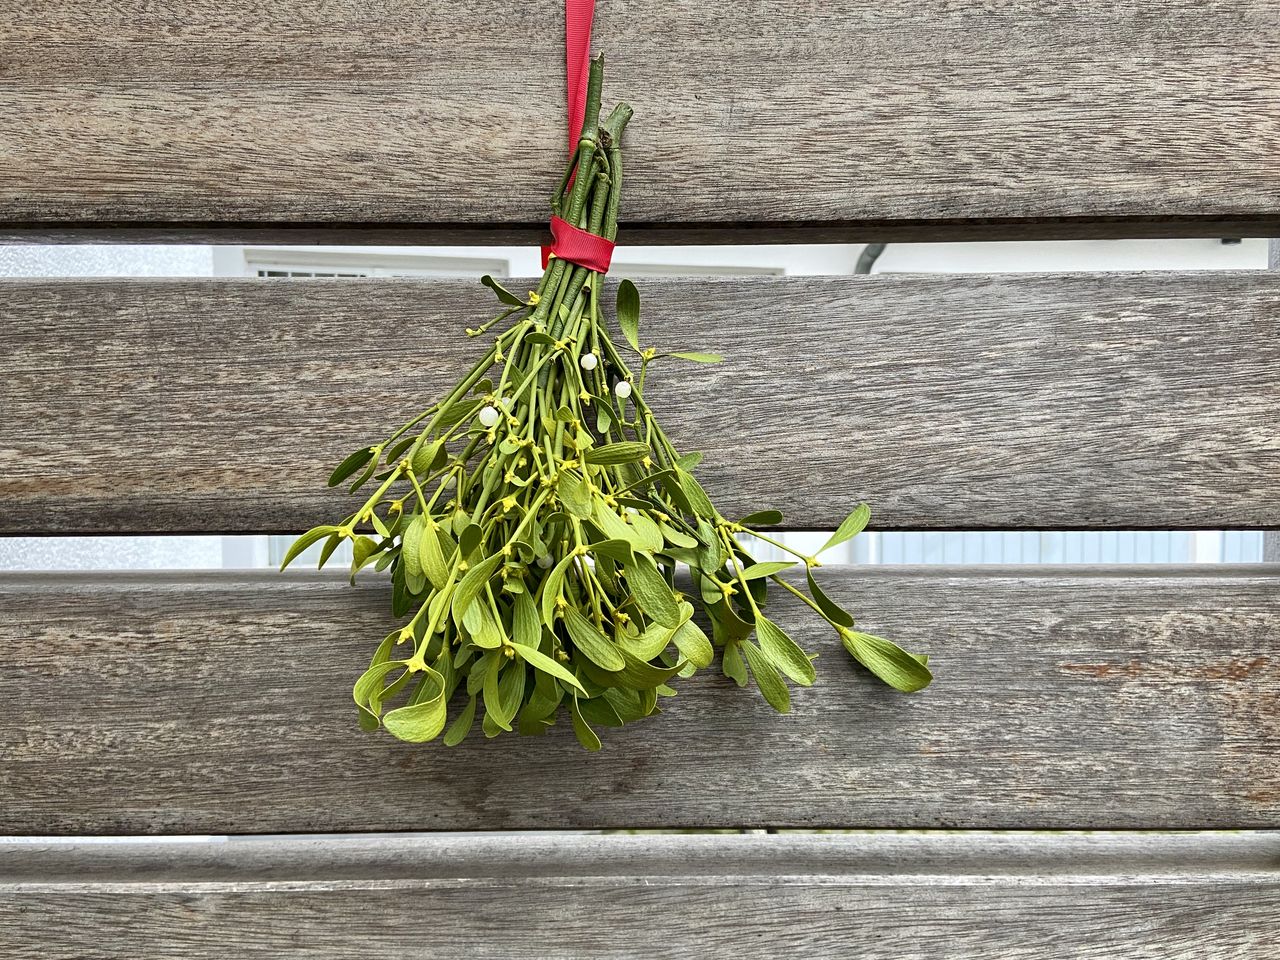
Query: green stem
584	180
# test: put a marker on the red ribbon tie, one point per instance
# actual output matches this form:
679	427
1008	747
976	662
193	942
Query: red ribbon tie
578	246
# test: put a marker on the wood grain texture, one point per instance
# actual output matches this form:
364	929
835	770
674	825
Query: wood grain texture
1271	539
833	119
1065	698
1036	401
1141	897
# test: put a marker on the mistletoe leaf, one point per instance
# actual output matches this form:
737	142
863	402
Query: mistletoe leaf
853	525
371	681
362	551
428	457
493	695
371	467
586	736
591	643
432	545
526	630
612	454
732	664
899	669
647	645
330	545
471	584
617	550
636	674
628	312
600	711
351	464
575	495
693	644
762	518
768	568
767	679
783	652
653	594
461	725
830	610
502	293
540	661
421	721
312	536
411	546
698	499
511	686
551	589
469	539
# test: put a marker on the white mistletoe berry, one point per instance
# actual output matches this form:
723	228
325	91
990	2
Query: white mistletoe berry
489	416
622	390
588	361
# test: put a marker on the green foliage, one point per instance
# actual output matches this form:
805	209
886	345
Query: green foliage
503	294
541	530
628	313
852	525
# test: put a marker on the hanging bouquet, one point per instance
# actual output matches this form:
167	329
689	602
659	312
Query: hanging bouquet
535	521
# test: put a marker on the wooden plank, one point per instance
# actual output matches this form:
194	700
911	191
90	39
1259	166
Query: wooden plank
1271	538
826	121
635	234
1065	698
1150	896
1128	401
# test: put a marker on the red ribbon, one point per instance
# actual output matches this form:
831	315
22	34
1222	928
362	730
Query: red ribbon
569	242
577	62
577	246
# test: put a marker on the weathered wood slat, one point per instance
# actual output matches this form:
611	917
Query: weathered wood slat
1103	698
1125	400
1144	897
831	120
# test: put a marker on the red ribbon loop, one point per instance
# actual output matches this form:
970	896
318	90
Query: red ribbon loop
568	242
577	62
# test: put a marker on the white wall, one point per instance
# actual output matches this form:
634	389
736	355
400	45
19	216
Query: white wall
26	260
104	260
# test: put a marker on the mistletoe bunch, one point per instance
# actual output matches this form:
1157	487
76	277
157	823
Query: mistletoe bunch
535	518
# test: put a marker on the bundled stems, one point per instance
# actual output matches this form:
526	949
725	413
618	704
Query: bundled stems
550	549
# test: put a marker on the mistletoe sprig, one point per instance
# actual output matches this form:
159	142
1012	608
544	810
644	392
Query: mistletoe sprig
534	520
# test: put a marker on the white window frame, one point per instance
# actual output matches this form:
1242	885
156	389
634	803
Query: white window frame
247	261
636	271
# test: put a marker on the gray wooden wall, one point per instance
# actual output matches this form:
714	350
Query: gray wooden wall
787	118
1140	705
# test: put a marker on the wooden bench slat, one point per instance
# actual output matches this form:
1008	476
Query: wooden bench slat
1017	401
1066	698
971	856
1201	896
824	121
